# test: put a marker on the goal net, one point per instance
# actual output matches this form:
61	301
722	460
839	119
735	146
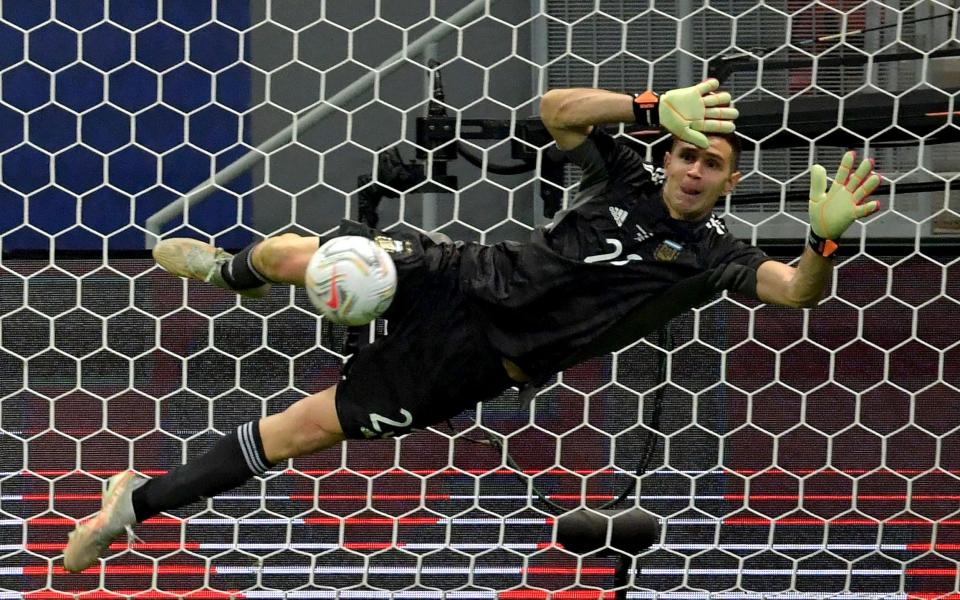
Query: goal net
785	453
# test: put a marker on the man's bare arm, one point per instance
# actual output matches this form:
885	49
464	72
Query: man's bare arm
570	114
800	287
688	113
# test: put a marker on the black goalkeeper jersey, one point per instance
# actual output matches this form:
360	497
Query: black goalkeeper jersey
609	270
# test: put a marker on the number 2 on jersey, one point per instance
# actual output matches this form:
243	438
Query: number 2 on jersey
610	256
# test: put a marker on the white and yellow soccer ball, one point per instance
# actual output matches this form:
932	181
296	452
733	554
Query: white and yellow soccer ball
351	280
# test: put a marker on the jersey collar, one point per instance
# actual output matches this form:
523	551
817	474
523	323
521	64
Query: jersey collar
689	230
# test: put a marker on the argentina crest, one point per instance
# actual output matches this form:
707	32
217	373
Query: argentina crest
392	246
668	251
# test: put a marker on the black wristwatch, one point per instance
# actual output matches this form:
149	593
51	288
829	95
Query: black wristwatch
821	246
645	109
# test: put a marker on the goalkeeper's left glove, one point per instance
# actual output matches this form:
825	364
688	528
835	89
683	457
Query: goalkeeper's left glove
690	112
832	212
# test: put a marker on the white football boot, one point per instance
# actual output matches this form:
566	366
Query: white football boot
92	538
186	257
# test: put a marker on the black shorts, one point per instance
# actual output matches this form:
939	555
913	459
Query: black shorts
435	360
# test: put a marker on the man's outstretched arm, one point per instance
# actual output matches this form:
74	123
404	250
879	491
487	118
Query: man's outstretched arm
831	213
800	287
688	113
570	114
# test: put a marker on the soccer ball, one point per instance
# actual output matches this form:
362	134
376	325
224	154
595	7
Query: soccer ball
351	280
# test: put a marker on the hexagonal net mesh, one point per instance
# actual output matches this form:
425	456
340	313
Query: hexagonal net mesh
792	453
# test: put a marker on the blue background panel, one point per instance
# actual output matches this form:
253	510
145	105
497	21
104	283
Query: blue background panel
106	46
79	87
117	144
53	46
26	14
79	14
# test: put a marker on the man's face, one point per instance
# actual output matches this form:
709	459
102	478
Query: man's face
697	177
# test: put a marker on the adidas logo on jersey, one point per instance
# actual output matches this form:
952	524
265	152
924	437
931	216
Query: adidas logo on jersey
716	223
619	215
642	234
657	174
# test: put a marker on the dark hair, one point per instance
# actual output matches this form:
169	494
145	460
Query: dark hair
733	139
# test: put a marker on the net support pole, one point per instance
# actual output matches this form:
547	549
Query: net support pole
429	200
313	116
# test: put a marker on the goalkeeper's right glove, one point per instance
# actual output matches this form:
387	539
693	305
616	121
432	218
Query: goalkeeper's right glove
832	212
690	112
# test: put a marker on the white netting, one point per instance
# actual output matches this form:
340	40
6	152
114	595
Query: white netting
798	454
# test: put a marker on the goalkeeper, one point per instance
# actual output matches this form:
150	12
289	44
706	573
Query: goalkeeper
637	246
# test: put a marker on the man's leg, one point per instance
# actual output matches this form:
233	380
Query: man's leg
280	259
283	259
308	425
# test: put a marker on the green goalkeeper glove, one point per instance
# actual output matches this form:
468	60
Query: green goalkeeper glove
690	112
832	212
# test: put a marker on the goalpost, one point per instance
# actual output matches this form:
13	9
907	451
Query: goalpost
786	454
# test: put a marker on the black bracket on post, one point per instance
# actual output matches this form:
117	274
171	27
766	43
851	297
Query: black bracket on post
439	136
724	66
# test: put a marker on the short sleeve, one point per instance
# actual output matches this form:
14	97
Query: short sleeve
735	265
601	158
731	250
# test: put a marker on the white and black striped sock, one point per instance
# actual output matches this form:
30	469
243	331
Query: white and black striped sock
251	444
233	459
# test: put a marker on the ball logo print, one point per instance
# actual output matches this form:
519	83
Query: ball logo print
351	280
334	302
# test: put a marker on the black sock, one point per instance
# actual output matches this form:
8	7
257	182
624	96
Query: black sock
239	272
234	458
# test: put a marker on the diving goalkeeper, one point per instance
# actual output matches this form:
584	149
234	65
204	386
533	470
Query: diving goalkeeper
636	247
